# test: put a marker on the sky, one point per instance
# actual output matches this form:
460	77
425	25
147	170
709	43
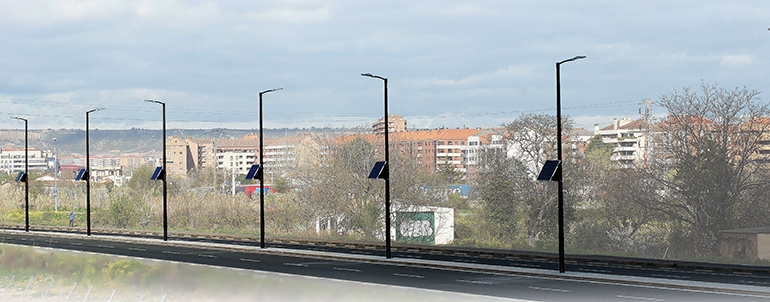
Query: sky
448	63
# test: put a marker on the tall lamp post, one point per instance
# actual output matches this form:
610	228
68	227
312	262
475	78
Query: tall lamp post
387	164
165	215
262	177
26	171
88	175
558	146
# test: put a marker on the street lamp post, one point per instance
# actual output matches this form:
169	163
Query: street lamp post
262	177
165	215
387	167
561	163
26	171
88	175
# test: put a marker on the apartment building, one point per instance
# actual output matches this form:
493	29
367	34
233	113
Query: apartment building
430	148
13	160
184	155
238	155
630	138
395	123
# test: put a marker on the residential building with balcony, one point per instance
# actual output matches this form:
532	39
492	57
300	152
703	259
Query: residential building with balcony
13	160
630	138
395	123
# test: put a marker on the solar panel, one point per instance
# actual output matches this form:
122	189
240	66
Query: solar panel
255	172
551	171
159	174
21	177
82	175
380	170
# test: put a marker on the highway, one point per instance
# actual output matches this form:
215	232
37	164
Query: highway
461	275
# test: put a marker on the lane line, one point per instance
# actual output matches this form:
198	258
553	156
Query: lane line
107	246
638	298
347	269
137	249
475	282
171	252
250	260
207	256
550	289
408	276
295	264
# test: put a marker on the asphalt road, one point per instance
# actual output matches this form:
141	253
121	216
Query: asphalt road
673	270
576	287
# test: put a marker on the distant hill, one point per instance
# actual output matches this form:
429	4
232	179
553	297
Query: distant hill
133	141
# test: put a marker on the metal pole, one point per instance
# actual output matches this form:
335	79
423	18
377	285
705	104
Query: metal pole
262	177
387	167
88	181
165	172
387	179
88	175
26	171
562	266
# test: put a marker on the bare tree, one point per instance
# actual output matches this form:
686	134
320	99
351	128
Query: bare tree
707	163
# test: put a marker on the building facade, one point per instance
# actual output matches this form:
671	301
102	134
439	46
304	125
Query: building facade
396	123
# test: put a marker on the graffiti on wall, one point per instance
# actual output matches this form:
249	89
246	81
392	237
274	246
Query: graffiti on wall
417	227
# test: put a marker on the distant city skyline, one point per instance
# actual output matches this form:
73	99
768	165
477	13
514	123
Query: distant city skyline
449	63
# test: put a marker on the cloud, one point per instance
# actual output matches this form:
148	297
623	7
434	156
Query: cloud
513	71
736	60
293	15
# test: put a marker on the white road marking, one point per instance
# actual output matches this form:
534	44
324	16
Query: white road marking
638	298
550	289
250	260
347	269
107	246
207	256
171	252
137	249
409	276
76	243
475	281
295	264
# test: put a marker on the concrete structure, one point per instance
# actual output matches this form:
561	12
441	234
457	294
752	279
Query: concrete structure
427	225
396	123
753	243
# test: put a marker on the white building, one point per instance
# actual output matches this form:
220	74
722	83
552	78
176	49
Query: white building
629	138
12	160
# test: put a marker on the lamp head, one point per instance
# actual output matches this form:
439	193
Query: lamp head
270	90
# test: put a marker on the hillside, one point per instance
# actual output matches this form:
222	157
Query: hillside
125	142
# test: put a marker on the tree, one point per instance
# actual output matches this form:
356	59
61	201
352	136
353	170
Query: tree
707	162
505	181
448	174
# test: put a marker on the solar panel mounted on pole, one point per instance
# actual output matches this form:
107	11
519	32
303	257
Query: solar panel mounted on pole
551	171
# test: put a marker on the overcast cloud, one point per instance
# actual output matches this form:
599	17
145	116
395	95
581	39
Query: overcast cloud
449	63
